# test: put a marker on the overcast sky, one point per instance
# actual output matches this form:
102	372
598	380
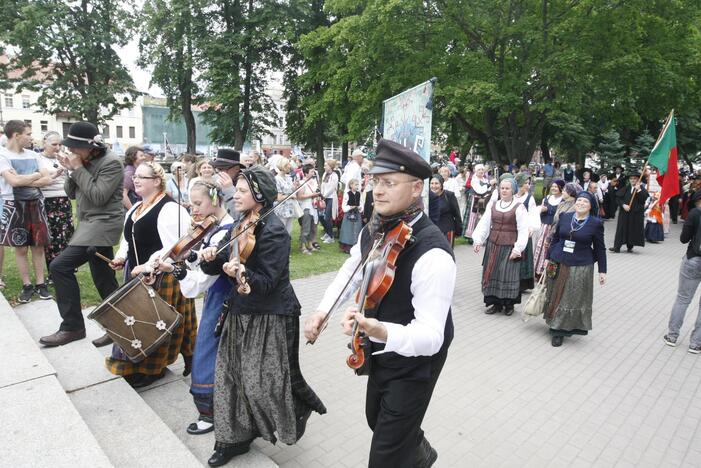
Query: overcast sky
129	55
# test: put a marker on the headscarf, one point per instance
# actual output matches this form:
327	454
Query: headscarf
572	189
262	184
521	178
506	175
514	185
588	196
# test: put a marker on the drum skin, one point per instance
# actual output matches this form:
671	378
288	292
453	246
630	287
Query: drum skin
137	319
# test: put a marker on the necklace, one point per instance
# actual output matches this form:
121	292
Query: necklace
501	204
576	224
147	204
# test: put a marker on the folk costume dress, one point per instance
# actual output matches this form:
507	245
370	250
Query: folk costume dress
352	223
547	218
476	203
216	289
445	213
570	274
149	234
504	229
654	221
259	390
526	273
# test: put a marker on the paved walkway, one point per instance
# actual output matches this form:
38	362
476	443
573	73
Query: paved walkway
617	397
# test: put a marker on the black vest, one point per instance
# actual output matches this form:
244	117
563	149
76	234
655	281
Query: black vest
145	231
396	306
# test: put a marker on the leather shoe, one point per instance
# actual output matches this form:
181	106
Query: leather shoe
104	340
557	341
508	310
493	310
194	429
139	380
614	250
62	337
426	455
188	366
221	457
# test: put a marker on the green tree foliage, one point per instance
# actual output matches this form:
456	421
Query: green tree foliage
66	51
168	44
512	75
611	151
240	47
643	145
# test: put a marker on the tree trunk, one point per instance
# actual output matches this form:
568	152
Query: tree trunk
91	115
191	128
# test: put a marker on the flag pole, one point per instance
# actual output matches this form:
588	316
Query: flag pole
659	138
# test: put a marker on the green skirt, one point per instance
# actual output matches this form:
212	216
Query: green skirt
569	298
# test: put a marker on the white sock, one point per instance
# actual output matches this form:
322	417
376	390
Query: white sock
202	425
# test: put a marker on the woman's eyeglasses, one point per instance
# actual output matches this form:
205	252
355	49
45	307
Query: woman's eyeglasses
134	177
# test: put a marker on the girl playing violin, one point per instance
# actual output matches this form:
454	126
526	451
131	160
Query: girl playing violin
206	201
259	390
150	229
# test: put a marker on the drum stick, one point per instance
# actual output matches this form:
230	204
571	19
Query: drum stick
93	251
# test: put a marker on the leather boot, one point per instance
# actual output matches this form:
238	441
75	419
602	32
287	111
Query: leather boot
222	456
104	340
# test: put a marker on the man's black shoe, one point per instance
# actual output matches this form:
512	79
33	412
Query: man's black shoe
615	250
557	341
426	455
26	294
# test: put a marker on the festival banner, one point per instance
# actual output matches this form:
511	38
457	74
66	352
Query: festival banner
407	118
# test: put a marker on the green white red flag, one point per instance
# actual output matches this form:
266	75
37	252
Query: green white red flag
664	158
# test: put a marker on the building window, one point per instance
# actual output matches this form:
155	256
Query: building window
119	131
25	102
44	125
9	101
132	133
106	131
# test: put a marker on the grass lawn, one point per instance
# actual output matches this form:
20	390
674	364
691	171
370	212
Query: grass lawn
329	258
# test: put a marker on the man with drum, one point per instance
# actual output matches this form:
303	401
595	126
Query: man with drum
95	182
411	329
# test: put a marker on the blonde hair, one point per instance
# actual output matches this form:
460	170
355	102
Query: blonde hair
213	191
157	171
281	163
332	163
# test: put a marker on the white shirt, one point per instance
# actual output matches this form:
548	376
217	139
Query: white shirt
451	185
167	225
481	186
351	172
196	282
432	285
481	232
329	188
533	211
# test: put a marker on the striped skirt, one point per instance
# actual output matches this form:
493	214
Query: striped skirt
473	213
500	276
541	249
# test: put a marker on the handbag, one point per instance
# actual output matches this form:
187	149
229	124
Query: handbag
297	211
319	203
535	305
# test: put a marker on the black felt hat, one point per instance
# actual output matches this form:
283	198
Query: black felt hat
226	158
393	157
83	135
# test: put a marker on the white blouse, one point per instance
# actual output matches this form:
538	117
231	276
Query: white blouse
484	226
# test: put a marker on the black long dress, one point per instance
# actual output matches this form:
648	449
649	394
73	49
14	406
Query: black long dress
630	229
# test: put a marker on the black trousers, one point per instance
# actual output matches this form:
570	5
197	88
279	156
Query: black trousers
395	405
674	209
62	270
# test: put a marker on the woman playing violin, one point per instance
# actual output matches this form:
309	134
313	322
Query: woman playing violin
206	203
411	328
150	229
259	390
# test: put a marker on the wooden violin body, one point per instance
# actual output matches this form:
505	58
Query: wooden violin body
377	280
243	248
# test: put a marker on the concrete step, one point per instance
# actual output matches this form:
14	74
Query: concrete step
42	427
129	432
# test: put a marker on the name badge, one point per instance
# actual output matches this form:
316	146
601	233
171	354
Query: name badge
569	246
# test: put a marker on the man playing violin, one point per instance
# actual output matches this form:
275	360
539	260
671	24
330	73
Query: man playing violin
411	328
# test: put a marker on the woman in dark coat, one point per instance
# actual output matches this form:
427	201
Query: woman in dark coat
577	243
259	390
443	209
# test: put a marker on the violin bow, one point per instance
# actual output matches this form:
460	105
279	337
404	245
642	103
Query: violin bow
336	303
262	217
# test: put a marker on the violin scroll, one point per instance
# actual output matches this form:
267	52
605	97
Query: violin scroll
357	358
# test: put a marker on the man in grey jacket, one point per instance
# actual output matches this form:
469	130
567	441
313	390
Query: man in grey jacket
95	182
